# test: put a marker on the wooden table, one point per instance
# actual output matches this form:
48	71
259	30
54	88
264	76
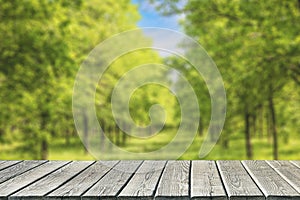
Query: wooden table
149	179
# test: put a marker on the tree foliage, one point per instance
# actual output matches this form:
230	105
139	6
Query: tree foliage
255	45
42	45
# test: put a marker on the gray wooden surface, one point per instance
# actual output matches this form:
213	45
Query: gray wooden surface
110	185
288	171
237	182
143	184
18	169
81	183
269	181
5	164
205	181
51	182
174	181
149	180
19	182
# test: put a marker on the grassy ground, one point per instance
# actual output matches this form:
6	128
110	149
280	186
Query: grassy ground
262	149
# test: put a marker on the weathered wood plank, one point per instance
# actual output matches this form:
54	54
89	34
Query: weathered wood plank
49	183
296	163
149	179
23	180
143	184
270	182
5	163
288	171
81	183
18	169
174	182
237	182
109	186
205	181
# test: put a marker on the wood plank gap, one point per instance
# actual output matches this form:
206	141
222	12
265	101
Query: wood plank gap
289	172
70	178
99	179
8	163
156	186
52	181
109	186
19	169
190	179
38	179
295	163
223	184
34	167
237	182
123	186
206	181
174	183
270	182
143	184
254	180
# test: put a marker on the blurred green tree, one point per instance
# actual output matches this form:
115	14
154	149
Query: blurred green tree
255	44
42	45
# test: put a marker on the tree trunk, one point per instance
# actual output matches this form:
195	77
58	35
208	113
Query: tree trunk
225	141
124	138
44	142
254	125
124	135
118	133
273	128
1	134
67	137
110	133
200	128
269	126
102	137
247	135
85	133
212	133
109	136
44	150
261	122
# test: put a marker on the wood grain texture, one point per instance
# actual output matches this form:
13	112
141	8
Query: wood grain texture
143	184
23	180
81	183
109	186
18	169
174	182
237	182
288	171
49	183
205	181
5	163
269	181
296	163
